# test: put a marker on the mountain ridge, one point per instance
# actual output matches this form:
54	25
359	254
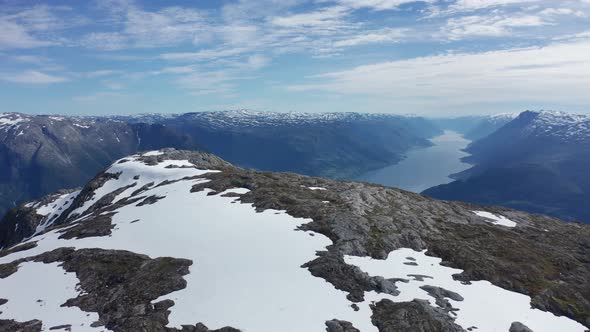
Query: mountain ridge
118	210
537	163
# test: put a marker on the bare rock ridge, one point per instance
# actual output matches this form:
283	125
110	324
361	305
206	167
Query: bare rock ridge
358	236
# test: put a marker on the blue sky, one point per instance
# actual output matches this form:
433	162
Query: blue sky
433	57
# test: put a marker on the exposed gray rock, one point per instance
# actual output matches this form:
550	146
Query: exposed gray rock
519	327
14	326
441	295
415	316
340	326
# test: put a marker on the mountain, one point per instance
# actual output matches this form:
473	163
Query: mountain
488	125
337	145
475	127
183	241
41	154
538	162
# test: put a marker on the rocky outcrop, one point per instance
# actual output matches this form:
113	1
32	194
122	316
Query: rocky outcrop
415	316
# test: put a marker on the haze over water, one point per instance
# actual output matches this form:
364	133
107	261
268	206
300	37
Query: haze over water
425	168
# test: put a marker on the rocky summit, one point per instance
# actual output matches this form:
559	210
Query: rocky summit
176	240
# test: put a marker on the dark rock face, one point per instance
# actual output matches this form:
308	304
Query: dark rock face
13	326
339	326
415	316
541	257
519	327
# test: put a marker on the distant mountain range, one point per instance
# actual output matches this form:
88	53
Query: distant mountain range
41	154
535	161
538	162
475	127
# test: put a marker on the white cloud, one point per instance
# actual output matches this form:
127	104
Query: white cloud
14	35
168	26
32	59
379	4
32	77
489	26
387	35
326	17
34	26
248	10
106	41
206	54
257	61
561	11
556	73
468	5
584	35
101	73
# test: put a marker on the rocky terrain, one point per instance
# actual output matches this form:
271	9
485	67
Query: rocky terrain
538	162
184	241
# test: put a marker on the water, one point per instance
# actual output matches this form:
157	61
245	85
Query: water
426	167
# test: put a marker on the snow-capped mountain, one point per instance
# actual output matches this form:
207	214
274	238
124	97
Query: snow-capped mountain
538	162
183	241
561	125
251	118
40	154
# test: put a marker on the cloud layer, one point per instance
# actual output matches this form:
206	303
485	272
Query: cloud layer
314	55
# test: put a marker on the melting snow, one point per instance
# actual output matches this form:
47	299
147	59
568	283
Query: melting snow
8	120
53	209
488	307
37	291
316	188
496	220
153	153
137	173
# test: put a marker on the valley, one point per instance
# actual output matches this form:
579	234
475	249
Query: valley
427	167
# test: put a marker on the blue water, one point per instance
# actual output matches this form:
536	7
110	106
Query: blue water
426	167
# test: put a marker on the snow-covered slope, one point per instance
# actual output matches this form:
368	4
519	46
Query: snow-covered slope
561	125
179	239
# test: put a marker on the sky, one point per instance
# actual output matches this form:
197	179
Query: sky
431	57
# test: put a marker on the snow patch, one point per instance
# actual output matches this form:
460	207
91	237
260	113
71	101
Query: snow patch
54	209
316	188
152	153
37	291
495	219
136	174
488	307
